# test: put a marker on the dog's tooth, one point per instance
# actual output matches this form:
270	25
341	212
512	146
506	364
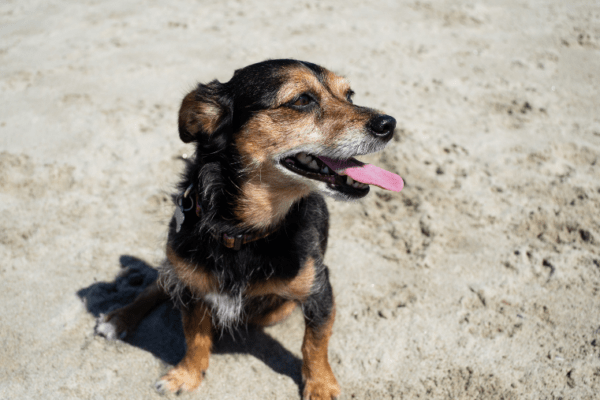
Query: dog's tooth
325	170
349	181
313	165
355	185
307	159
303	158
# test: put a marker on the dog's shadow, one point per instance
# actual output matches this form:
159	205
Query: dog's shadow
161	331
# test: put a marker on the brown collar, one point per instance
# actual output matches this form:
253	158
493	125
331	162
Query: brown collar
233	241
236	242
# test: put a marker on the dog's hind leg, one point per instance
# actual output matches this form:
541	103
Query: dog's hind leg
188	374
274	315
118	323
319	314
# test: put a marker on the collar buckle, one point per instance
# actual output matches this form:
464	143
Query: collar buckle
237	243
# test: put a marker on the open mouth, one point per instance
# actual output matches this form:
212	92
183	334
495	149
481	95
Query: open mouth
312	167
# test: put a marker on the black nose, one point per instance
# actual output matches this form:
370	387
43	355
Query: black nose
382	126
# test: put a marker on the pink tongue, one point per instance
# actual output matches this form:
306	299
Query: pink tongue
365	173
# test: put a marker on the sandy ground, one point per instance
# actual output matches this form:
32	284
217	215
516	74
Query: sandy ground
480	279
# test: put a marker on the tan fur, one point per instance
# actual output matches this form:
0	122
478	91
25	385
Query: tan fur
298	79
268	194
275	131
272	132
193	276
267	197
197	327
319	381
339	86
198	116
297	288
275	316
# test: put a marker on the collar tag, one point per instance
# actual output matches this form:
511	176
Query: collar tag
179	215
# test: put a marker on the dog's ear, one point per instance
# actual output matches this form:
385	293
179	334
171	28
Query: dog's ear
204	111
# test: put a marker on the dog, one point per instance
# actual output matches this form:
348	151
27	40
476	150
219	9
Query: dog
249	233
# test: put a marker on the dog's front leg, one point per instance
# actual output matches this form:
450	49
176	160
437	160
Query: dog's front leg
319	314
188	374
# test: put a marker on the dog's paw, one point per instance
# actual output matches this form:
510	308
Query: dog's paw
109	328
179	379
325	389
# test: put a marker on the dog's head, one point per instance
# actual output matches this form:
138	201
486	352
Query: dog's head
275	120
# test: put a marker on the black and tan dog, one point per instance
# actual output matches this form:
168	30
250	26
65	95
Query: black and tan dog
247	240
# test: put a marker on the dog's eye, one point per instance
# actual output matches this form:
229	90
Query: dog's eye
303	100
349	96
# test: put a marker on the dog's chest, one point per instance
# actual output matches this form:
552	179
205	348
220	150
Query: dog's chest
227	308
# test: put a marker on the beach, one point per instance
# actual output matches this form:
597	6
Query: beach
479	280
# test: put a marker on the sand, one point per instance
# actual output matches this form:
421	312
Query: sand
480	280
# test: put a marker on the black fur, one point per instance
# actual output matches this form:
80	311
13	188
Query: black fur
262	280
215	171
302	235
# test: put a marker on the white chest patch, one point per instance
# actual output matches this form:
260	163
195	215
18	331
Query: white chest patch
226	308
